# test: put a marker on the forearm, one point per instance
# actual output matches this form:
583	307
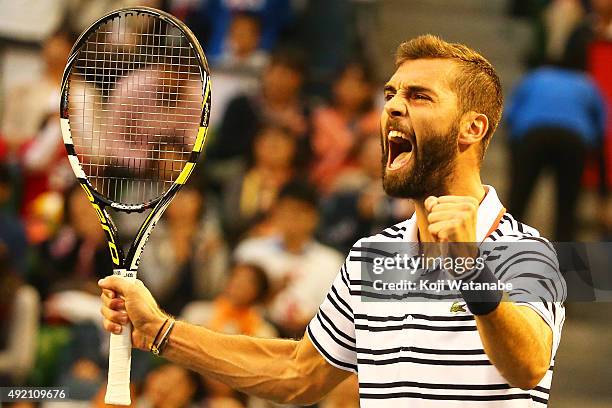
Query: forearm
518	342
266	368
285	371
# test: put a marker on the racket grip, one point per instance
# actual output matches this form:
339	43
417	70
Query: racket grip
119	359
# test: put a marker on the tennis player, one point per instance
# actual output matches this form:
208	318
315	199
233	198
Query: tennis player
443	104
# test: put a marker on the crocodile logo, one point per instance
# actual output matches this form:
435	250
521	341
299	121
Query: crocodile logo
457	307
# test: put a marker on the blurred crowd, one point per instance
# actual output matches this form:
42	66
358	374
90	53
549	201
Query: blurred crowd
290	181
558	116
250	246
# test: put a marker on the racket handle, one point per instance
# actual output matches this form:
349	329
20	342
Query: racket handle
119	359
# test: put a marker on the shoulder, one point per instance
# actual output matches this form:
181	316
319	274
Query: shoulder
394	233
517	253
517	242
377	244
510	230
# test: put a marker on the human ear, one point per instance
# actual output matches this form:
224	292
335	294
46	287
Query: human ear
473	128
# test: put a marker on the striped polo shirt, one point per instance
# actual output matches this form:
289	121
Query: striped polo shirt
429	354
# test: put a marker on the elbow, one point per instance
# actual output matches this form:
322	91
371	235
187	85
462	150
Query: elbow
301	398
302	387
530	376
305	400
303	392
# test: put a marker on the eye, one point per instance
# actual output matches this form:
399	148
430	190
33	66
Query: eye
421	96
388	96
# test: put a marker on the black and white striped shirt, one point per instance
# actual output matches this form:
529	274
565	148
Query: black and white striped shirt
423	354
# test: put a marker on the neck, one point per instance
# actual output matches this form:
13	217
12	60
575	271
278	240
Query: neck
460	186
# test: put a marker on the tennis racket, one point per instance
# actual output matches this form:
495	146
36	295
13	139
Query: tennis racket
135	104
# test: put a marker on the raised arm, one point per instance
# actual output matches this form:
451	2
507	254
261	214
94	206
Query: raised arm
284	371
517	339
518	342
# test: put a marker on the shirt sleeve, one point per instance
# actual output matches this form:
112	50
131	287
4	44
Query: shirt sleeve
332	330
532	267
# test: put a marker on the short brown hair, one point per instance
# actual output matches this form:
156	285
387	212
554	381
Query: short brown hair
477	85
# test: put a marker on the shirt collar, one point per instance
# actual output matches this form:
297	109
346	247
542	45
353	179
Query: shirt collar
488	213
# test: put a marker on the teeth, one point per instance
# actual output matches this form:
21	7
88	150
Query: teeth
395	133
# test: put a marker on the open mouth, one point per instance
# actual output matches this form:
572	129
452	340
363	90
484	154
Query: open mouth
400	150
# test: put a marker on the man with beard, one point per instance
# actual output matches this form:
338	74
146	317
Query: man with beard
443	104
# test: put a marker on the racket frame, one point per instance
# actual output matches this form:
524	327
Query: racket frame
126	265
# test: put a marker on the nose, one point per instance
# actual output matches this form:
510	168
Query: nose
395	107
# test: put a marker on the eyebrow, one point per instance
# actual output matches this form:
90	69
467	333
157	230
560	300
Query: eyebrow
411	88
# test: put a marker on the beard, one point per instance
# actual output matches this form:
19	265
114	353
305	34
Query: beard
433	163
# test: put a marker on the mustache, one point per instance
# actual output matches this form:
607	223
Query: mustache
397	125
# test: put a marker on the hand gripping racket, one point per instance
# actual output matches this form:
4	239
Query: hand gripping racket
135	104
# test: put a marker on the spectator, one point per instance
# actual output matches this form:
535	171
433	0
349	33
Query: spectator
238	70
77	256
327	32
213	20
242	52
236	311
291	256
592	34
555	116
186	257
277	103
359	206
32	103
31	124
81	362
19	317
44	217
83	13
339	127
168	386
561	18
553	25
250	196
596	26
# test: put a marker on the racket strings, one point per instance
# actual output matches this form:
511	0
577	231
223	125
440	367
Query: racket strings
135	103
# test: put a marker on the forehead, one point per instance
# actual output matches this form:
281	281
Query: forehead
433	73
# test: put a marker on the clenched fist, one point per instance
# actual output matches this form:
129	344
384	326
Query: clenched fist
125	301
452	219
